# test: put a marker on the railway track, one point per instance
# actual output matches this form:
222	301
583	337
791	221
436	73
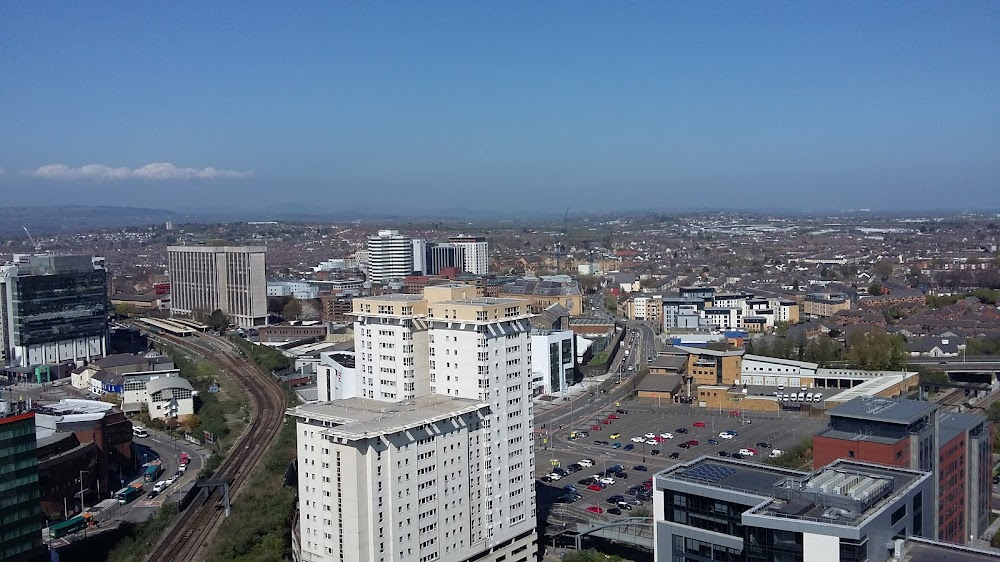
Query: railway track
185	539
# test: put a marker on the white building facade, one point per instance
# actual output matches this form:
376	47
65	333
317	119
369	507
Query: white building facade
226	278
433	460
475	253
335	376
552	360
390	256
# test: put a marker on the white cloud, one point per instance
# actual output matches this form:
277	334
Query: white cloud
153	171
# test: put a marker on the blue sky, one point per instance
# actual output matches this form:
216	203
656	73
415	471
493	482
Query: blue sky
507	106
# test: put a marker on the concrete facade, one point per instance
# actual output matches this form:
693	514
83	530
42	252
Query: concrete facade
227	278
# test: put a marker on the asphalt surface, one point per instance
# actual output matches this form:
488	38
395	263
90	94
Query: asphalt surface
644	418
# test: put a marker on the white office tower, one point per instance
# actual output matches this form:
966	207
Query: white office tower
444	473
232	279
420	256
475	252
390	256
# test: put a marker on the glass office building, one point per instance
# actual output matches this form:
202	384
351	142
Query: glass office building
20	507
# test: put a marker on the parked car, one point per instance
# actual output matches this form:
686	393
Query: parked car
607	481
723	454
586	463
734	413
614	511
726	435
693	443
746	452
617	445
606	422
666	436
639	468
638	439
600	442
616	435
684	445
628	447
626	506
736	456
698	424
596	428
547	478
713	441
612	417
560	471
596	487
650	436
763	444
620	411
569	488
616	498
747	422
775	454
674	455
595	509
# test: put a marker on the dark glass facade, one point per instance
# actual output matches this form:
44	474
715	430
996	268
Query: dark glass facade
704	513
60	306
773	545
20	507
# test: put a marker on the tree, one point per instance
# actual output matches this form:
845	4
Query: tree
875	289
124	309
875	350
882	269
218	320
292	310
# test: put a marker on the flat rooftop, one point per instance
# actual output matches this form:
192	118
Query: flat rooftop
393	297
892	410
363	418
484	301
917	549
852	490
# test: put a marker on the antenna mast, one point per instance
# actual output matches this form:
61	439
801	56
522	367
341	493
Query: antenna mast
38	247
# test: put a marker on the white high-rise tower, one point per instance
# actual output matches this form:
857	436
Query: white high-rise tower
433	461
390	256
475	252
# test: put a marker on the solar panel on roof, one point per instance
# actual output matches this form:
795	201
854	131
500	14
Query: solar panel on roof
708	472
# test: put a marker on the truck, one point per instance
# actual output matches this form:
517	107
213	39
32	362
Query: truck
152	472
185	459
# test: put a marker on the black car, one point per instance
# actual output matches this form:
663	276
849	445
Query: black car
546	479
614	511
616	498
639	468
736	456
723	454
152	494
560	471
996	479
681	430
655	452
620	411
622	475
675	455
575	467
629	447
586	482
763	444
599	442
684	445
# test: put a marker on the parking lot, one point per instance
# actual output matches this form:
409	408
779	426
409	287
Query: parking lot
780	433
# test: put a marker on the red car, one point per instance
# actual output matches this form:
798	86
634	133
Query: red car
595	487
648	484
692	443
734	413
596	428
613	417
699	424
595	509
606	422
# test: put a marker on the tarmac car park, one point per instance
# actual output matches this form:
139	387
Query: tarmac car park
637	451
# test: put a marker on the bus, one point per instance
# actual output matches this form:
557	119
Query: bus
126	495
151	472
68	526
139	431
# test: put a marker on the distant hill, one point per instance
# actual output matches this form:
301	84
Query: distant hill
76	218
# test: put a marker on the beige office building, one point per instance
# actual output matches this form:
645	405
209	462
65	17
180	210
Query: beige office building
227	278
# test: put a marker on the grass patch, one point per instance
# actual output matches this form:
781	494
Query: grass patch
799	456
599	359
269	358
224	413
140	538
260	522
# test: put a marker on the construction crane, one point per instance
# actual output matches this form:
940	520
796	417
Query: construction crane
38	247
562	234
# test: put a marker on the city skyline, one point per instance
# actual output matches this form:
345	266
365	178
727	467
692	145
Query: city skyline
396	109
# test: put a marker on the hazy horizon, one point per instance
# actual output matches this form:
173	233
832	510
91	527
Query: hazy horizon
403	109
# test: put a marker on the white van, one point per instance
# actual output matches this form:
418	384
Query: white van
159	486
799	397
809	397
818	397
139	431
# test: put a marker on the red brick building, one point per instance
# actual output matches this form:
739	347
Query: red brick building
913	434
